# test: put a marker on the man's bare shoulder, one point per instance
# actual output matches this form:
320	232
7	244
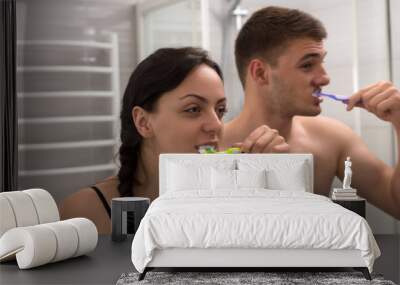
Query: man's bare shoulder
325	127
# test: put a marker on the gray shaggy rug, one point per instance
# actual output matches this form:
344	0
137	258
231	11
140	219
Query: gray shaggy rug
230	278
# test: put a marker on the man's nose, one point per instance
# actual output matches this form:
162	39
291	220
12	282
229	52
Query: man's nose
322	79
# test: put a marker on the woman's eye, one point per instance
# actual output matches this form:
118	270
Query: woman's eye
192	110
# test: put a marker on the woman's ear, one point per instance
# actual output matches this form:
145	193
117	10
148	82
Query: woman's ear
142	123
258	71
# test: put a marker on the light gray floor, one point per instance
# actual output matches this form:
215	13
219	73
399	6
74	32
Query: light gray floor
111	259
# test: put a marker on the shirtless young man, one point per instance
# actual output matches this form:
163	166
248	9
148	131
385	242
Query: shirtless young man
279	55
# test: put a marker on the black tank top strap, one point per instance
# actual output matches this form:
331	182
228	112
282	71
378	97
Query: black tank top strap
102	199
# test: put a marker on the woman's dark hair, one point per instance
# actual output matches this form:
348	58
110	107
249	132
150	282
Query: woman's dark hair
160	72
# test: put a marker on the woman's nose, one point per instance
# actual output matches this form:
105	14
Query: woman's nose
212	123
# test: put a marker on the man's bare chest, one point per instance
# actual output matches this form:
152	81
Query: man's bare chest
325	162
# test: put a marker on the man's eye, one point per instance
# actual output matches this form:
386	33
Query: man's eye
222	111
306	66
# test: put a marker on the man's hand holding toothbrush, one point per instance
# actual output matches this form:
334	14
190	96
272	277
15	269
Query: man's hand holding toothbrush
263	140
381	99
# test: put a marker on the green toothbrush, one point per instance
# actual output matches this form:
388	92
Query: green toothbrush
206	149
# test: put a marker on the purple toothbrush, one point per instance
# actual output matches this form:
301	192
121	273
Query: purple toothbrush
340	98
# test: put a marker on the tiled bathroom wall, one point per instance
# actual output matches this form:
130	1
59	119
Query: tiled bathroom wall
74	59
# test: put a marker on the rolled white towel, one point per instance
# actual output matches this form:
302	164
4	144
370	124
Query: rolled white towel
40	244
66	238
26	208
46	207
7	218
87	235
23	208
33	246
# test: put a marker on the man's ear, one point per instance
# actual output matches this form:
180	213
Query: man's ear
141	119
259	71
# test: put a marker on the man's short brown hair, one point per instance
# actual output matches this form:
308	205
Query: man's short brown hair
267	32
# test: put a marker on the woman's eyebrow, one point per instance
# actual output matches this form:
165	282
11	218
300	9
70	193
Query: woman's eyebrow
200	98
195	96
